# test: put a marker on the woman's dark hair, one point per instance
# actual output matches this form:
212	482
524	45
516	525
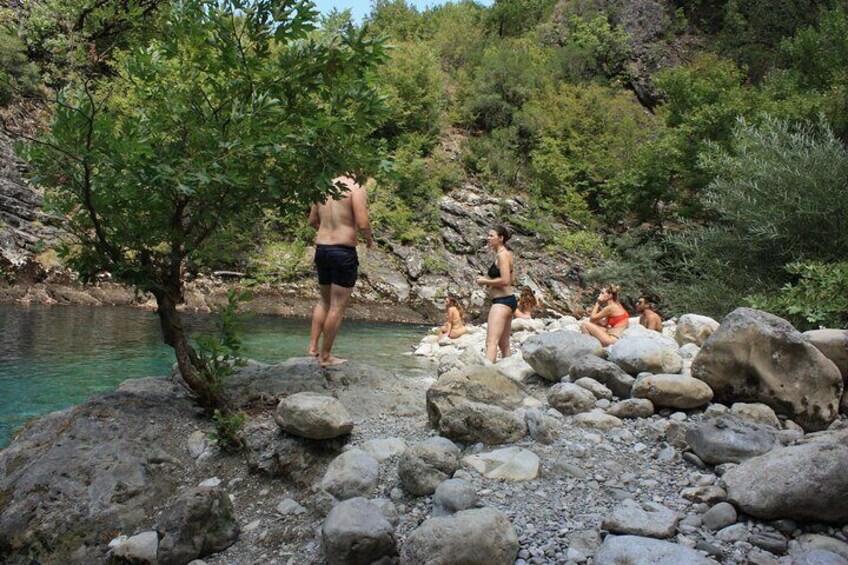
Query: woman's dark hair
502	231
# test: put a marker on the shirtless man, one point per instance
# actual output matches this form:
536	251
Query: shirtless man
647	316
336	262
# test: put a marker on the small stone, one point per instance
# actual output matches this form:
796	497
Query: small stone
212	482
252	526
290	506
734	533
720	516
694	460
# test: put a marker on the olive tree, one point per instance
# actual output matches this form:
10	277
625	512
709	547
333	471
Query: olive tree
233	108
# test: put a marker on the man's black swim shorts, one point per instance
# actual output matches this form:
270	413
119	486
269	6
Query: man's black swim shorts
336	264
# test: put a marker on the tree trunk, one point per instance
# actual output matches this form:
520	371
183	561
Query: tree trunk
191	366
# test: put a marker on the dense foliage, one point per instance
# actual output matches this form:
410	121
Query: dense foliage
693	144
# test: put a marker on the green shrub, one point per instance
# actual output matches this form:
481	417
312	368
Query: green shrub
780	196
590	47
587	139
414	87
220	353
506	78
18	76
818	297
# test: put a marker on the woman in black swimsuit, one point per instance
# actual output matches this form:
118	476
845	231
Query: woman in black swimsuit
499	279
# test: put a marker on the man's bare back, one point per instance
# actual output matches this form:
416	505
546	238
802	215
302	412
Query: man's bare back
338	220
336	262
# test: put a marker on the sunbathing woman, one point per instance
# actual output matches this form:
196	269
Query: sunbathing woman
608	318
500	278
455	324
526	303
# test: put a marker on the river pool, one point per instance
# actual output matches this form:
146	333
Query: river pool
54	357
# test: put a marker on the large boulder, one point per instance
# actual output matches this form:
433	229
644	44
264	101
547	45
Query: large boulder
637	550
425	465
757	357
352	474
472	422
357	533
552	354
728	439
570	399
800	482
476	404
200	522
692	328
486	385
603	371
646	351
672	391
472	537
314	416
834	345
70	479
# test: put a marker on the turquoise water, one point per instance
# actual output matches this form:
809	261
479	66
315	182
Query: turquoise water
54	357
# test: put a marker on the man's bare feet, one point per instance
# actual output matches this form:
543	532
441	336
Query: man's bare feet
312	353
331	361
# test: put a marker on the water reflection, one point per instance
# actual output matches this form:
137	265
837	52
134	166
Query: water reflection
53	357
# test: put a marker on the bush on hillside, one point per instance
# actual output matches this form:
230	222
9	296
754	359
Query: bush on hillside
818	296
780	196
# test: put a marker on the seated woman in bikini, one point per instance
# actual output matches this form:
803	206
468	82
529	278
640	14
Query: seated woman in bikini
526	303
455	325
608	318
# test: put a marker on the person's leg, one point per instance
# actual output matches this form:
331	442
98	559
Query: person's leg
339	299
495	329
598	333
503	343
319	314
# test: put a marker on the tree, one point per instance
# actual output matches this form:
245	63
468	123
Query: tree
232	109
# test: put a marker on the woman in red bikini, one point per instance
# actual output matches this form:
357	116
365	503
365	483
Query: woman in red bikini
608	318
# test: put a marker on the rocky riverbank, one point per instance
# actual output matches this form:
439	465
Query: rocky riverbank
571	454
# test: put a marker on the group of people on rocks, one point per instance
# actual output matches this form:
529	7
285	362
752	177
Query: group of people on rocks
337	221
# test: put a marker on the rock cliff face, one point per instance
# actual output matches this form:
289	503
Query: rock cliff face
422	277
22	222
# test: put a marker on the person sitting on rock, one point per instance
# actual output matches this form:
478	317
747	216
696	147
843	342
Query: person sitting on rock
608	318
526	303
648	316
455	320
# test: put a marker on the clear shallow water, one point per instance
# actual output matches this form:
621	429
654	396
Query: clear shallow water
54	357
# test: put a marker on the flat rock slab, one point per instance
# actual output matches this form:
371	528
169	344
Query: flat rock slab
511	463
635	550
649	520
728	439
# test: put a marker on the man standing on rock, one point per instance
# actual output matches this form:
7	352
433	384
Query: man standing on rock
337	221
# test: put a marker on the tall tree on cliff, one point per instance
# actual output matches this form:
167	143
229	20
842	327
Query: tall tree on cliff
233	107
